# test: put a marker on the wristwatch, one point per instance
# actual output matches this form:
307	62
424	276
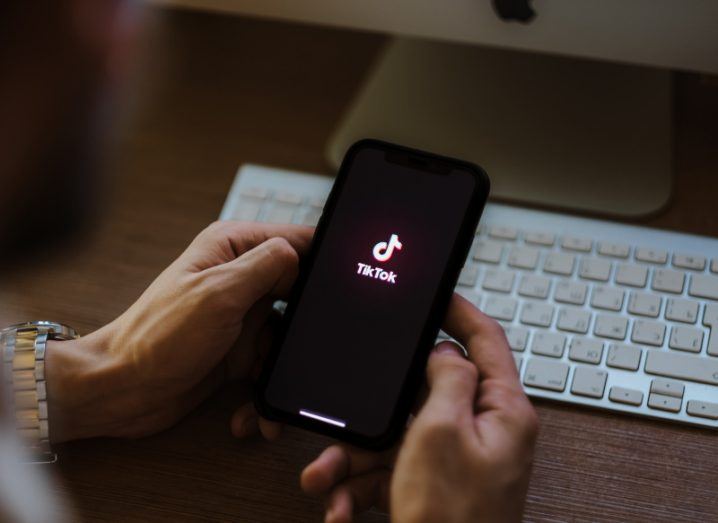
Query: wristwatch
23	354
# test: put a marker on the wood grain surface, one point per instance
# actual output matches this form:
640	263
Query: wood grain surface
223	91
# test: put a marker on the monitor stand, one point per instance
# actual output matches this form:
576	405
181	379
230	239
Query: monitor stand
551	131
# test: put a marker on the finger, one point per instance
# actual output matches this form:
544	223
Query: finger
245	237
359	494
483	338
246	351
244	421
239	237
338	462
452	384
340	507
268	269
270	430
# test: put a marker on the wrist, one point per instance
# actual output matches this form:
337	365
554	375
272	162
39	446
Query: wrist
83	378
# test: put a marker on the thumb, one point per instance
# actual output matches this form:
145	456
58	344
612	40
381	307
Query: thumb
270	268
452	383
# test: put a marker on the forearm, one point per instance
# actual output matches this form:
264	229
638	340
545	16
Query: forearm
85	384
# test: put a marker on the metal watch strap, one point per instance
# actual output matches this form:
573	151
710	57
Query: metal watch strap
24	368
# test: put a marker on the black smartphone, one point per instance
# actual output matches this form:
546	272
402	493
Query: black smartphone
372	293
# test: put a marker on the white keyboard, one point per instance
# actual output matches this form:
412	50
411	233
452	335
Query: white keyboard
597	313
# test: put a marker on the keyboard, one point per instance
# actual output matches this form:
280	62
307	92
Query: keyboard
596	313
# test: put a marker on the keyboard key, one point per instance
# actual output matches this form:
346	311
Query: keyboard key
259	193
503	233
488	251
616	250
682	366
500	308
534	286
702	409
288	197
548	344
540	238
714	265
317	202
539	314
686	338
649	255
594	269
608	298
523	257
570	292
471	295
627	396
667	280
576	243
668	387
589	382
609	326
623	356
644	304
648	332
283	213
311	217
469	275
710	319
517	337
688	261
631	275
573	320
586	350
518	360
685	311
667	403
704	286
559	263
546	374
247	210
498	280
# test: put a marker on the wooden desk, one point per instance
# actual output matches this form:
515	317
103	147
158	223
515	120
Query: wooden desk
250	91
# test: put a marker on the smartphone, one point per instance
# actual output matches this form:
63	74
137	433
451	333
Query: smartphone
372	293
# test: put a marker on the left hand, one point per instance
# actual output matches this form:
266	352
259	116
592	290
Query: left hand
202	321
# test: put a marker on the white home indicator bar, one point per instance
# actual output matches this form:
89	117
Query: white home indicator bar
325	419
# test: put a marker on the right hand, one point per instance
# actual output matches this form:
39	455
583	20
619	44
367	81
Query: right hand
467	455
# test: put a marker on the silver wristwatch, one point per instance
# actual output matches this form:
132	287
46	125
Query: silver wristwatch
23	354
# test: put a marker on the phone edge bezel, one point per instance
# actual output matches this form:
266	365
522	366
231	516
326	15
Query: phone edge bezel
414	376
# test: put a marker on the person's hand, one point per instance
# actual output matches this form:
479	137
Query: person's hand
202	321
467	455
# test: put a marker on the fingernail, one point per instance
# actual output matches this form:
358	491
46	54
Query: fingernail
446	348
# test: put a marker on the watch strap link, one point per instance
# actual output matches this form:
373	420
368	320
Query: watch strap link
24	347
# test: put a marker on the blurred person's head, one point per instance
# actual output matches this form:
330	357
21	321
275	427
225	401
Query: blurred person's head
59	63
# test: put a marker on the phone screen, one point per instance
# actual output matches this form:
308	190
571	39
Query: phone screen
357	322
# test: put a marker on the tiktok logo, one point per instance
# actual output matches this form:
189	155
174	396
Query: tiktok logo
383	251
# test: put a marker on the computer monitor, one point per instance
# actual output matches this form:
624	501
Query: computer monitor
582	120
